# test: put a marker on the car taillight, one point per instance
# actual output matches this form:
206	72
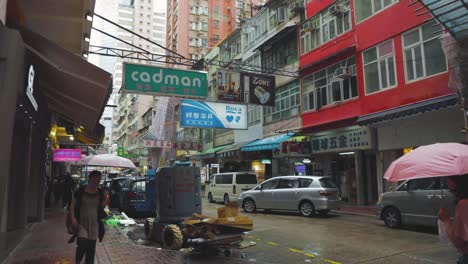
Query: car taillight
132	195
234	189
327	193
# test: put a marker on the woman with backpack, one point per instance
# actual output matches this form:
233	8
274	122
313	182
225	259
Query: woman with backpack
457	230
87	215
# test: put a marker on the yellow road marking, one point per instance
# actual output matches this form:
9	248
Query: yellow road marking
250	236
272	243
310	255
258	239
331	261
296	250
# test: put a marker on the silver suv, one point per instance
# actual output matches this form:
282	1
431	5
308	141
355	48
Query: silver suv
308	194
415	202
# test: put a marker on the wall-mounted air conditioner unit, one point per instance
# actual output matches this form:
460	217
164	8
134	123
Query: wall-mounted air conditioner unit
344	72
336	10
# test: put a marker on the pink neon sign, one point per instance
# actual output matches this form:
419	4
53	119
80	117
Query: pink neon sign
67	155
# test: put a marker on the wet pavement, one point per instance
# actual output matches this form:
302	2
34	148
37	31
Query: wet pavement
280	237
287	237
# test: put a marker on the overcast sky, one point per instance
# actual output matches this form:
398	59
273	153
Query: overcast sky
160	5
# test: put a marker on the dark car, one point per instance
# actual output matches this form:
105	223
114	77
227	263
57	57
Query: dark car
134	198
117	189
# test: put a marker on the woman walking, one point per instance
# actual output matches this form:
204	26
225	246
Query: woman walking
87	212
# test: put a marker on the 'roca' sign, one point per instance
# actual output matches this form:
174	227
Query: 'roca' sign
148	79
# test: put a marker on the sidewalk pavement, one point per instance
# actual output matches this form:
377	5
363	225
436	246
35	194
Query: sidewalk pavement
47	243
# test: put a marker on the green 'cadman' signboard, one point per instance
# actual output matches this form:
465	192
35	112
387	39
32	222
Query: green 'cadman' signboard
149	79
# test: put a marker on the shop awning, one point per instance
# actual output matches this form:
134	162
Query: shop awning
268	143
453	14
208	153
234	147
410	109
74	88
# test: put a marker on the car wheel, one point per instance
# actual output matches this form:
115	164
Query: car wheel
210	198
323	212
249	206
306	209
226	198
392	217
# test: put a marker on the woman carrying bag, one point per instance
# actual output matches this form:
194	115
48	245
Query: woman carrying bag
86	216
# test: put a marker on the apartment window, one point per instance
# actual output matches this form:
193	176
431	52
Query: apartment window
379	67
325	26
280	55
423	53
254	114
215	9
204	42
273	19
193	41
281	14
216	23
204	26
367	8
193	9
287	103
239	4
216	38
330	85
193	25
203	10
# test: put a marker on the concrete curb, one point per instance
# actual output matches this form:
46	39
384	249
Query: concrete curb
352	213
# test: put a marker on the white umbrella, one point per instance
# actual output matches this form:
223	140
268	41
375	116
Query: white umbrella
107	160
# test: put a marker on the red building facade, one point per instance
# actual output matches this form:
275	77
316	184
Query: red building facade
359	60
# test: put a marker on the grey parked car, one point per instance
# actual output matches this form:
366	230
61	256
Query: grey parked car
415	202
307	194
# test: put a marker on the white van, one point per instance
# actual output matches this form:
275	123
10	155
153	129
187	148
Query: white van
227	186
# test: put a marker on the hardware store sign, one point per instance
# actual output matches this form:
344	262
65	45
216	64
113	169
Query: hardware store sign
342	140
148	79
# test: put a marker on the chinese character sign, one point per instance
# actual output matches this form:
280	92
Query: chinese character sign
67	155
178	145
213	115
342	140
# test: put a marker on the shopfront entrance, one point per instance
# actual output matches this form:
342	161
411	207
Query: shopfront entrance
347	156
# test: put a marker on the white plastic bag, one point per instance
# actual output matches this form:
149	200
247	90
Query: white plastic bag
443	236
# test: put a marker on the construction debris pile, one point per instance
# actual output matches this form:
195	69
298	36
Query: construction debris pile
223	232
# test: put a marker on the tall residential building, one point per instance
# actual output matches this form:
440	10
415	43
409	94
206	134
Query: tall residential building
107	9
208	22
130	117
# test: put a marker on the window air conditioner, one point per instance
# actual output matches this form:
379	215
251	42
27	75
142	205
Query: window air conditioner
292	6
335	10
296	6
342	73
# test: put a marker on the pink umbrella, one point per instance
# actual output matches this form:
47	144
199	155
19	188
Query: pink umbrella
440	159
107	160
